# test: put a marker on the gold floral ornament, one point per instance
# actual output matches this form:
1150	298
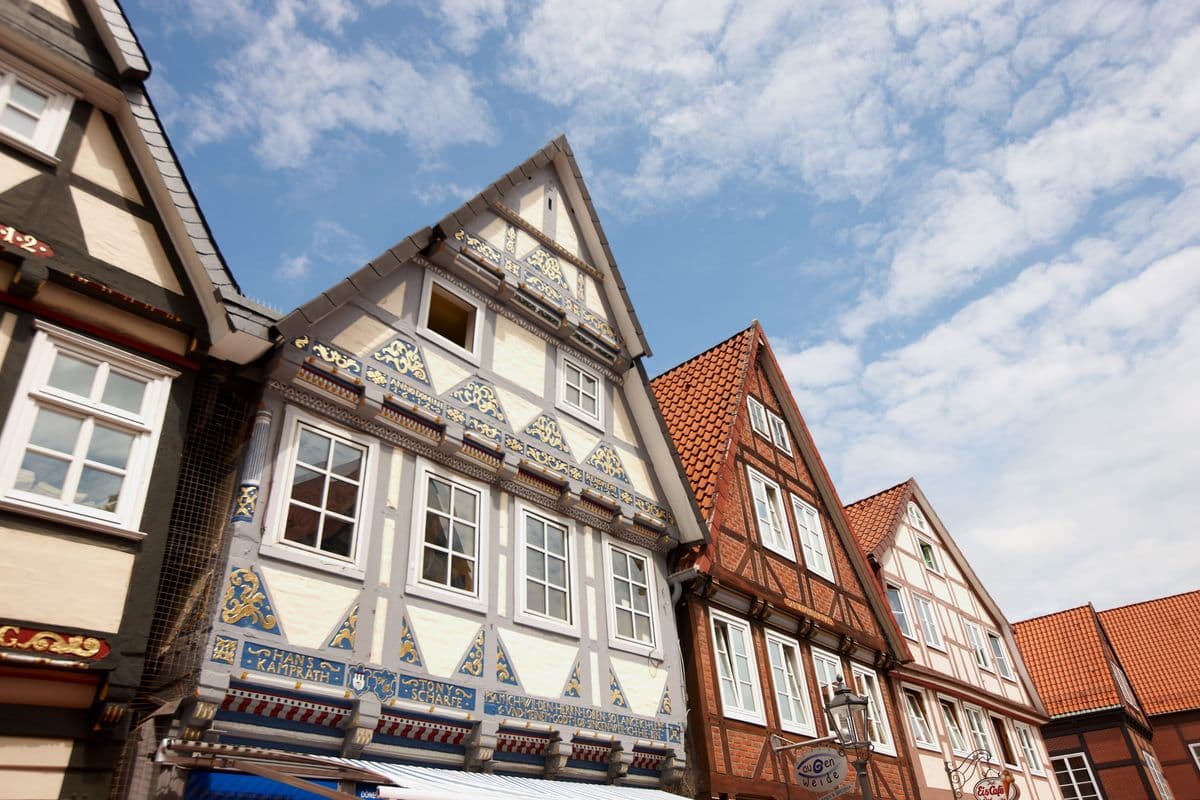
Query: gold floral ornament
344	638
549	266
224	650
545	429
510	240
404	357
504	670
482	397
605	459
246	604
41	641
408	645
331	355
664	705
479	246
616	695
472	663
574	686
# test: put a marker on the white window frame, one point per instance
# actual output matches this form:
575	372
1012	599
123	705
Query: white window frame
999	654
51	123
1160	780
813	544
972	714
916	519
534	618
907	628
653	649
415	584
1123	685
954	725
1070	772
273	544
936	566
1194	748
825	661
867	683
784	546
34	392
1000	725
735	710
919	717
758	418
806	726
920	602
779	433
1028	744
472	355
564	360
978	645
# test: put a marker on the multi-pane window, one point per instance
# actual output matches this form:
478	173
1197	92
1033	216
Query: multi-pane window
791	692
631	596
450	549
779	433
736	668
812	538
878	730
828	669
325	483
1194	748
580	389
547	568
1160	781
1006	748
1025	738
916	519
954	727
895	598
975	637
31	113
80	437
758	417
929	555
1123	684
1000	656
918	718
768	508
1075	777
927	617
978	727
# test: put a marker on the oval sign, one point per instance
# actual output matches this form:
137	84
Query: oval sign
997	789
821	768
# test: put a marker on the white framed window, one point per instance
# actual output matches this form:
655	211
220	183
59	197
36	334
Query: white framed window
546	571
318	496
916	519
758	418
1028	742
1000	656
1160	780
448	556
1123	684
918	718
451	317
895	597
733	647
977	725
1194	749
812	539
779	434
1075	778
929	555
580	390
631	616
31	112
878	729
954	726
975	639
828	668
81	435
791	689
927	617
768	509
1003	741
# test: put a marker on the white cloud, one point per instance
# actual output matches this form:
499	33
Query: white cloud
293	268
467	21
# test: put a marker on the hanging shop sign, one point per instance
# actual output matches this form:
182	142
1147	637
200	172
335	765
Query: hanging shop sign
1003	787
820	769
19	241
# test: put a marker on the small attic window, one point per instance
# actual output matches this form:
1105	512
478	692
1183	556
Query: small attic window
452	317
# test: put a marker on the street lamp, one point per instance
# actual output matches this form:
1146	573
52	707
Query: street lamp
848	718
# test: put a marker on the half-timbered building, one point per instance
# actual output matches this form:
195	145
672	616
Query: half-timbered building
968	706
448	547
121	331
780	603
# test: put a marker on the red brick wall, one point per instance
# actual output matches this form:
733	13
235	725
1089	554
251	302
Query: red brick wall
1172	735
1113	752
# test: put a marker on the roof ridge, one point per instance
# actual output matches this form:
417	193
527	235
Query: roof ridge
706	351
876	494
1054	613
1151	600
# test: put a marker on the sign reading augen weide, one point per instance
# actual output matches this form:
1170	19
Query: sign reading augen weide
504	704
275	661
424	690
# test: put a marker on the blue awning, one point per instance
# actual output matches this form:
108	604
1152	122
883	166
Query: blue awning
205	785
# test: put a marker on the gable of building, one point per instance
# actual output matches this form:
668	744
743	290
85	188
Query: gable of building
1155	642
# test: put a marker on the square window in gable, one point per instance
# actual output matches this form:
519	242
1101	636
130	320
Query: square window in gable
451	317
30	113
758	418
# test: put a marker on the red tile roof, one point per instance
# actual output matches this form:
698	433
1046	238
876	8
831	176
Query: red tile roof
1065	655
699	401
874	518
1156	642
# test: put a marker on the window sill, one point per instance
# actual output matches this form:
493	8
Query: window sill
30	150
452	347
73	519
742	716
294	555
933	748
798	729
883	750
446	596
781	553
580	414
547	624
637	648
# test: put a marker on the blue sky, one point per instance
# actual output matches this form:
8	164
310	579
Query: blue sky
972	230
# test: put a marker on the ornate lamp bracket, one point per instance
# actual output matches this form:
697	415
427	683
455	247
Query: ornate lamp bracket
976	762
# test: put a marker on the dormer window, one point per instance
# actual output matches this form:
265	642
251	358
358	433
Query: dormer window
916	519
451	318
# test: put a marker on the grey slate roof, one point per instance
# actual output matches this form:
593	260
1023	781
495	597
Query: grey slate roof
329	300
120	39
